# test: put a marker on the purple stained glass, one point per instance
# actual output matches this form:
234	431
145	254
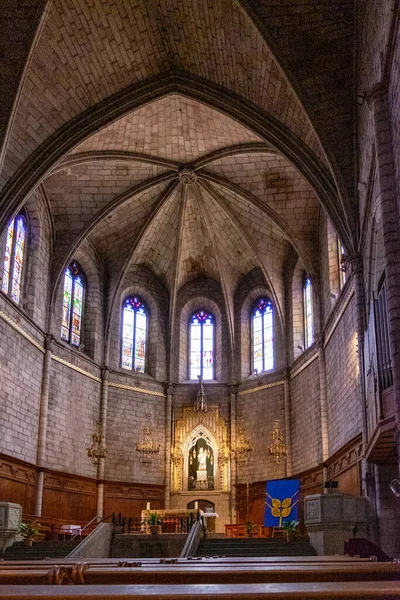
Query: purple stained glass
134	334
72	305
201	340
14	258
263	336
7	258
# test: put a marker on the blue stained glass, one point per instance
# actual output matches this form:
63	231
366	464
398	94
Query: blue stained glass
263	336
201	341
72	306
134	334
14	256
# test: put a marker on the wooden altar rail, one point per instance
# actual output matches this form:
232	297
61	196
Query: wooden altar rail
206	573
366	590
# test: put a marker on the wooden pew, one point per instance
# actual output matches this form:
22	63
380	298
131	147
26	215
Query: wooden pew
367	590
207	573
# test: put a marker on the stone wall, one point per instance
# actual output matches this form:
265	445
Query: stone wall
305	412
20	383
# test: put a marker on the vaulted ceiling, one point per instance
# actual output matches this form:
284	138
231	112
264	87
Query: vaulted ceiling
195	138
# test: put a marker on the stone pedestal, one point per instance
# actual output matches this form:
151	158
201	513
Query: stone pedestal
332	518
10	520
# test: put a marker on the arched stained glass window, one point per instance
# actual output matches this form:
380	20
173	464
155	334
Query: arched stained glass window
14	255
308	313
74	289
134	334
201	345
263	335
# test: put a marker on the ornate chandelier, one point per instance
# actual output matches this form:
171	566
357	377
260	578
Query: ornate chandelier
147	447
241	447
277	450
97	450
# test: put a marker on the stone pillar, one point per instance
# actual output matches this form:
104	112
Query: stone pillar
233	465
323	397
288	423
357	270
103	422
168	438
378	101
43	419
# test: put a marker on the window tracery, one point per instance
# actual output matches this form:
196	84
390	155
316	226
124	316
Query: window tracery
14	258
134	334
263	335
201	345
72	308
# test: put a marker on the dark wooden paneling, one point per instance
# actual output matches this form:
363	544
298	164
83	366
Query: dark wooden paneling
17	482
130	499
69	497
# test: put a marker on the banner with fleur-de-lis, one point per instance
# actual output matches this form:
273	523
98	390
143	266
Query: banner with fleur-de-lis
281	502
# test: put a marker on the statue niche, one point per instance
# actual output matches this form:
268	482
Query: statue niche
201	466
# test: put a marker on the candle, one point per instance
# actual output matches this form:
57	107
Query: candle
148	506
196	505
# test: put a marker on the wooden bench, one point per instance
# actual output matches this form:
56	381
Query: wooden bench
81	573
367	590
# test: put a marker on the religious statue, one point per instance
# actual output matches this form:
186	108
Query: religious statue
201	466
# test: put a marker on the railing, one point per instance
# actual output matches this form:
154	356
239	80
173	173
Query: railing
169	524
85	528
193	539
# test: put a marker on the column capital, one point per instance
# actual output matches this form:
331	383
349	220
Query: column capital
105	373
356	263
48	342
169	388
233	388
378	90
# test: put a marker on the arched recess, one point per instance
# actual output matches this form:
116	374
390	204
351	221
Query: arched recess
39	164
142	282
92	338
205	293
200	432
252	287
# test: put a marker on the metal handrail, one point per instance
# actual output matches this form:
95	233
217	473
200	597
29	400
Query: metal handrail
194	537
96	518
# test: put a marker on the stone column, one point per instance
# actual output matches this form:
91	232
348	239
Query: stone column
43	419
288	422
319	338
378	101
357	270
103	422
169	388
233	465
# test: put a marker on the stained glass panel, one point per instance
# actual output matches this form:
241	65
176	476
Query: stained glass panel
134	333
308	313
263	336
77	311
201	340
7	258
66	309
18	260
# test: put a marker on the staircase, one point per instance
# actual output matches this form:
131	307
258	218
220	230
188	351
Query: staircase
39	550
255	547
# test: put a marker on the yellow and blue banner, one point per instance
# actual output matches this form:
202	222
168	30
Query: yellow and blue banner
282	502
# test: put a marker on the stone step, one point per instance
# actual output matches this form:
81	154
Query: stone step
39	550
